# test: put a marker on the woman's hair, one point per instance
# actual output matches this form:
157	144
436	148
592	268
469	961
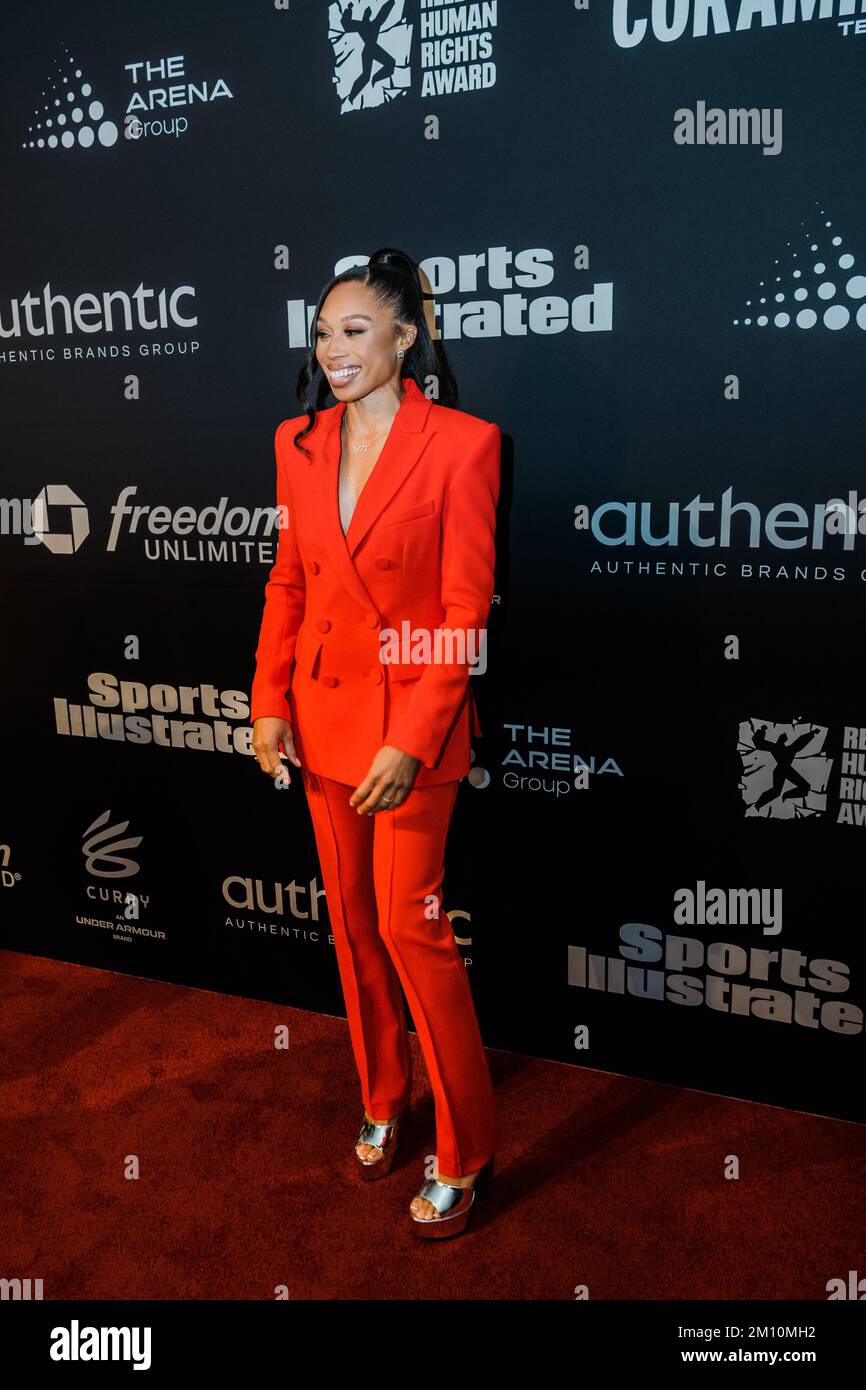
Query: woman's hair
395	280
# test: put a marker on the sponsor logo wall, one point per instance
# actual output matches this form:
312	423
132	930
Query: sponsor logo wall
645	232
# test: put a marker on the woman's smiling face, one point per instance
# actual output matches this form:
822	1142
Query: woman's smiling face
357	341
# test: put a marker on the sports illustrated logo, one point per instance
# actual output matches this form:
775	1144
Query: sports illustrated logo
731	979
817	277
483	294
70	117
785	769
199	717
372	47
634	20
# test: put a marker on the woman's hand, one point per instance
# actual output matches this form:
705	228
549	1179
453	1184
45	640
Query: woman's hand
388	782
268	733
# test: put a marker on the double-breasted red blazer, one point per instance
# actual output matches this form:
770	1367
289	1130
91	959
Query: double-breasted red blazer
420	550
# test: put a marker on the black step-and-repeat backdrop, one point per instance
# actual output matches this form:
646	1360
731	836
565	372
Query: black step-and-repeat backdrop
644	226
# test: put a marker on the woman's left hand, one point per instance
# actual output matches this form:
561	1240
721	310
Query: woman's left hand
388	782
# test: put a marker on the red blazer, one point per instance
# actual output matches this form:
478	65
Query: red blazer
420	549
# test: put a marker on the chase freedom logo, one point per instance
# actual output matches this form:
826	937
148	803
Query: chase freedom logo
667	20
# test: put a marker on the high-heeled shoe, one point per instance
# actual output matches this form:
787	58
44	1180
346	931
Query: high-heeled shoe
381	1137
454	1204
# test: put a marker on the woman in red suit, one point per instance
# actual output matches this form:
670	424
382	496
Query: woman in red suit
387	533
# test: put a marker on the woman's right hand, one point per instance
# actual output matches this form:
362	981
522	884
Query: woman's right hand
268	733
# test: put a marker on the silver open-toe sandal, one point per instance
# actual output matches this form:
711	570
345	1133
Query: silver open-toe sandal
453	1204
381	1137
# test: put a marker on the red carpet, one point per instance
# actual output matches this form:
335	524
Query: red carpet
245	1179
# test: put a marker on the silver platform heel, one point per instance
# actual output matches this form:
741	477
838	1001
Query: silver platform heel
382	1137
454	1204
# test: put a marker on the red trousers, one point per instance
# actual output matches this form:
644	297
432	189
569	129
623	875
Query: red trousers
382	876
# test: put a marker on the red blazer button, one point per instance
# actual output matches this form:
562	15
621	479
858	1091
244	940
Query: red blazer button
383	563
329	680
323	625
375	677
314	567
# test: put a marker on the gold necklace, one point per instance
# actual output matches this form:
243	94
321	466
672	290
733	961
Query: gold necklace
362	448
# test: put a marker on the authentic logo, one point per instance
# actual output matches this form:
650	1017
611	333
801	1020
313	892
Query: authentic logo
728	524
816	283
372	47
70	117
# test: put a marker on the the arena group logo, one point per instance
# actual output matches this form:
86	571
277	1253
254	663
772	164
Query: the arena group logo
160	92
543	759
372	42
786	771
668	20
816	281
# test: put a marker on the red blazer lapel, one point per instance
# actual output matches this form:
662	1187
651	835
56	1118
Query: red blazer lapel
410	433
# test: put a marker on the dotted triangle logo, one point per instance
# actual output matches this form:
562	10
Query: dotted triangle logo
819	283
69	116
